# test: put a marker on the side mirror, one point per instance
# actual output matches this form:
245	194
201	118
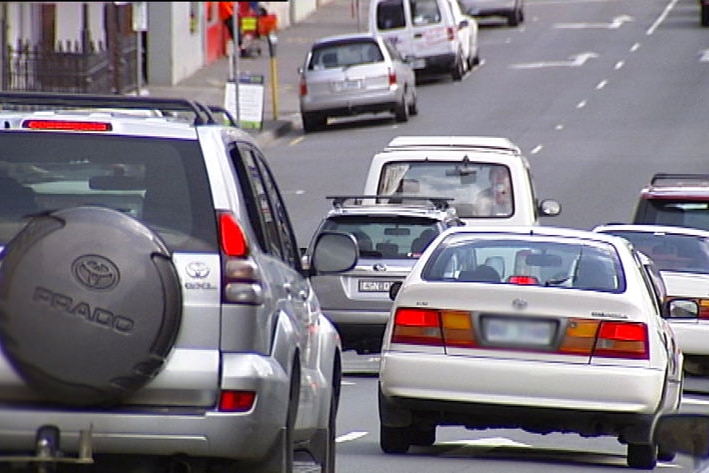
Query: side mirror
549	208
394	289
334	252
683	433
682	309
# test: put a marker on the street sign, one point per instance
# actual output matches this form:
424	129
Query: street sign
140	16
251	94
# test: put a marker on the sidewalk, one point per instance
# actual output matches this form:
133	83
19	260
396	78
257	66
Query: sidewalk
208	84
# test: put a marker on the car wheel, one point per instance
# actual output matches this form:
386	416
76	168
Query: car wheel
665	455
458	68
424	436
313	122
401	112
394	439
705	15
324	443
99	320
414	106
642	456
513	18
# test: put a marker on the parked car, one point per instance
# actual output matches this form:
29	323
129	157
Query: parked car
704	12
511	10
488	177
682	257
390	237
674	199
153	303
352	74
436	34
536	328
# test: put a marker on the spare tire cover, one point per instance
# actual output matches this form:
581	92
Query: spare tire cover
90	305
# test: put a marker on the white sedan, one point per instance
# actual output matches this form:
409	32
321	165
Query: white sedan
535	328
682	256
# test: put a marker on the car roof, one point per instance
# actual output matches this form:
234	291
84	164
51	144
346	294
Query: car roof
127	115
433	208
675	185
540	230
648	228
473	143
346	37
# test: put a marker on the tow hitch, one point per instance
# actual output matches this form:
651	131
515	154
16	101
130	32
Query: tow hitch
48	452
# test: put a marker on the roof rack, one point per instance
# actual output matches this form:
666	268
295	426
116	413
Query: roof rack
437	202
678	179
44	100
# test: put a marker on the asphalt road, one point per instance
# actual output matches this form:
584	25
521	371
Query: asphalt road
600	95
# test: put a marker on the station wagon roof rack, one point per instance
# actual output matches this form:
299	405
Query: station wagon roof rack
34	101
433	202
679	179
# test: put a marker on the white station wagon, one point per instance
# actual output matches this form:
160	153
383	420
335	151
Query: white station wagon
536	328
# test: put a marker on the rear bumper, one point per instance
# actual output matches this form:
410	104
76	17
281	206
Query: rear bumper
439	63
535	396
166	430
384	101
360	330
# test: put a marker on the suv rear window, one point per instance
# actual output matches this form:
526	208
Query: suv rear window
678	213
161	182
386	237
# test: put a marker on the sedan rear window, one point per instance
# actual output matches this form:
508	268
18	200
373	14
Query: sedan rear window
544	262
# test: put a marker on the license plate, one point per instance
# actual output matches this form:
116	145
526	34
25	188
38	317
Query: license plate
346	85
374	286
527	332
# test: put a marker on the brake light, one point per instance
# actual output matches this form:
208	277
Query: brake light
236	401
241	275
232	239
450	32
622	340
523	280
392	77
303	88
417	326
66	125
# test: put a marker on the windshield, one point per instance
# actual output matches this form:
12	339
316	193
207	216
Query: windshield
478	189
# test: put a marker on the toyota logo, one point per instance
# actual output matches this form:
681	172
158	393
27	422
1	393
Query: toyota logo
95	272
519	304
197	270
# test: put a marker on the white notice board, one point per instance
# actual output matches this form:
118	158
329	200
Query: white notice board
251	93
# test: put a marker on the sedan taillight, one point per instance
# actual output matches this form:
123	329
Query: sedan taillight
584	337
303	88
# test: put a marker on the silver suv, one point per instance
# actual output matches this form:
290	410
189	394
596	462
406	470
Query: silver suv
391	235
153	303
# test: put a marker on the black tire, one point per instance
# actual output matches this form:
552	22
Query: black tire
313	122
705	15
642	456
458	70
513	18
98	321
423	436
401	112
665	455
394	439
414	106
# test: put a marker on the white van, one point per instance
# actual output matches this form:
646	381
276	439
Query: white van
488	178
435	34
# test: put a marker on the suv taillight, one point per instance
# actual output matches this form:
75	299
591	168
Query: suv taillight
241	277
392	78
